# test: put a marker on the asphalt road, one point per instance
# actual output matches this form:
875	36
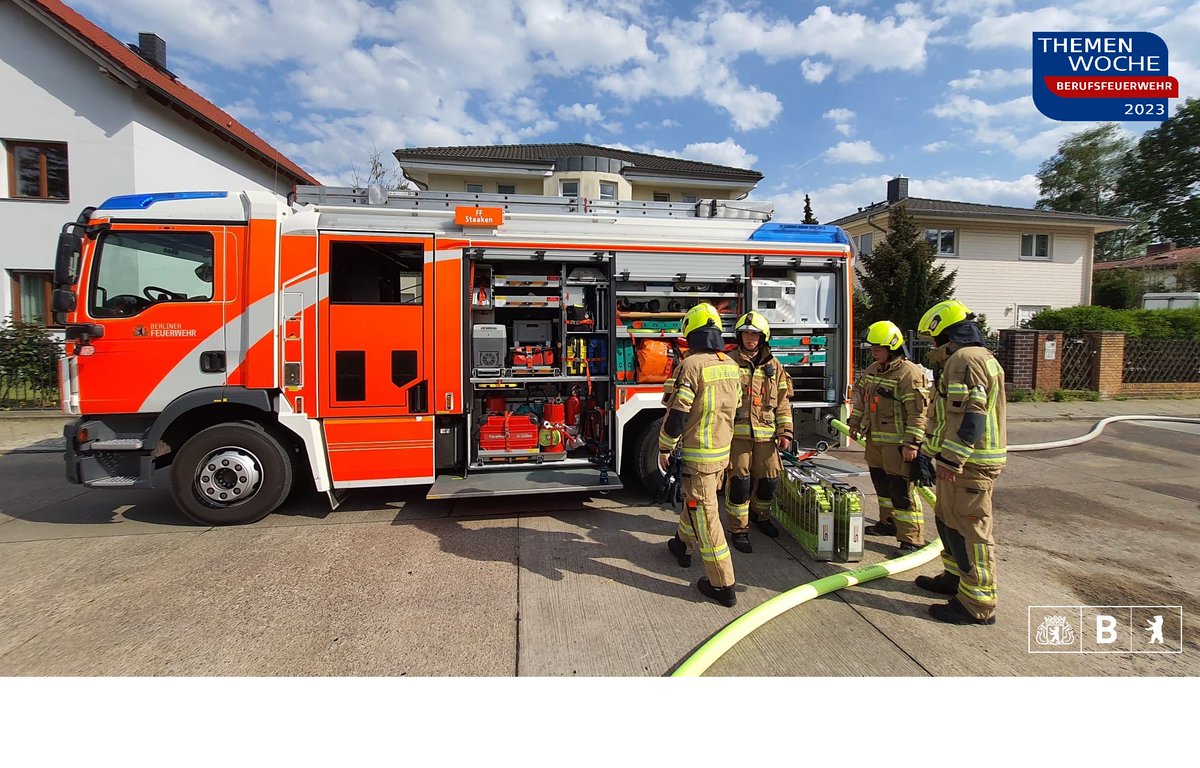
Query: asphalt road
118	583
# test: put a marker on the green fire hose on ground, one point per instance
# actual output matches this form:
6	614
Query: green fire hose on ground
706	655
716	646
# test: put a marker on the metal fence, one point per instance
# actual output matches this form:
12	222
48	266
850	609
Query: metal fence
32	386
1078	359
1153	361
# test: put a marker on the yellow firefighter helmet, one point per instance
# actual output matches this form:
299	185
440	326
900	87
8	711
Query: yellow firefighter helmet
885	333
941	316
753	321
699	316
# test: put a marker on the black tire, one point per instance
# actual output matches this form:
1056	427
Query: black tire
250	474
645	458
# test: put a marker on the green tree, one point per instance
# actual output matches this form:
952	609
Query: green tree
808	212
1159	178
1189	277
901	277
1116	288
1083	177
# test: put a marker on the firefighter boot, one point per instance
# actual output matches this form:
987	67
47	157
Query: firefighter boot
953	612
942	584
768	528
723	595
741	542
679	550
906	548
887	528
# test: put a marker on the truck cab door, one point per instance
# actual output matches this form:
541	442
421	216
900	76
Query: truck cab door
159	291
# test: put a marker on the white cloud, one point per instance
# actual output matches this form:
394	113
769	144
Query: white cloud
993	78
1016	30
935	147
815	71
844	198
586	113
841	118
853	152
727	152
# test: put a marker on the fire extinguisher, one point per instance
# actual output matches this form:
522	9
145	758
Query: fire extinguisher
572	410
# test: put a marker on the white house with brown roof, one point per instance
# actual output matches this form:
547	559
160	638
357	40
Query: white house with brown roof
1010	262
572	170
84	118
1160	268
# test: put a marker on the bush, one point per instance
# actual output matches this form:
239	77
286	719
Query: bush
28	365
1070	395
1025	396
1151	323
1075	321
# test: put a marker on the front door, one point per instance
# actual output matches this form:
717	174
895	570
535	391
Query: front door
160	292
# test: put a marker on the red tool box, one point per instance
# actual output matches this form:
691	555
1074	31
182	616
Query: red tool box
508	435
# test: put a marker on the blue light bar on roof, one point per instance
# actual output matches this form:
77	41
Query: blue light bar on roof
801	233
142	202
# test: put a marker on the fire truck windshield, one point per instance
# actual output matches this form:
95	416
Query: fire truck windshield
135	270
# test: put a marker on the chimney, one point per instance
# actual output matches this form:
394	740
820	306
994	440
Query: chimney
153	49
897	189
1156	248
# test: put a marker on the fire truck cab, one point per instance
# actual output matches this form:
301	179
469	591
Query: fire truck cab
233	345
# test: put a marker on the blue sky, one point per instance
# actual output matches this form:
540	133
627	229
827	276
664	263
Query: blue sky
829	99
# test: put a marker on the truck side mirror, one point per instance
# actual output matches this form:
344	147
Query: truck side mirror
66	261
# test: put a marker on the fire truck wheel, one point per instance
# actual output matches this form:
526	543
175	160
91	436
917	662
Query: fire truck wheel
647	457
230	474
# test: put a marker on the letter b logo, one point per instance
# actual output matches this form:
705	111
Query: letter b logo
1106	629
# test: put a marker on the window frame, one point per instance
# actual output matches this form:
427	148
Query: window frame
869	237
10	147
1035	307
612	185
501	189
562	184
689	198
1033	247
47	292
937	247
660	197
467	186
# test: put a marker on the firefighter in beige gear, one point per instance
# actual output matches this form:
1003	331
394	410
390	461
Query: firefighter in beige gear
763	428
699	422
966	439
890	400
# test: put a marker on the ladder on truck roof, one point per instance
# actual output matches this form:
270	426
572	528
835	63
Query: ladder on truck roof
446	202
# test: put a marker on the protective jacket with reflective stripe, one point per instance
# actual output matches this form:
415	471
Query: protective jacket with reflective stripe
971	382
890	403
766	410
708	389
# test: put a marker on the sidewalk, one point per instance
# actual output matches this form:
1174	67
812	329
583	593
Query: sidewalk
41	431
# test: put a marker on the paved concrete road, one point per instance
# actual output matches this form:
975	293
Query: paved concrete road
117	583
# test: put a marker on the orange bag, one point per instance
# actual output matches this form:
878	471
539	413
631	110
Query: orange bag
654	360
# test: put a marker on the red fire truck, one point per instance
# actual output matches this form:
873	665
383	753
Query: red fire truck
356	338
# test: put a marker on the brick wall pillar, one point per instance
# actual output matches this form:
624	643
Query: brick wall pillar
1047	361
1017	347
1108	363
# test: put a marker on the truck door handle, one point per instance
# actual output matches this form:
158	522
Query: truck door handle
212	362
449	401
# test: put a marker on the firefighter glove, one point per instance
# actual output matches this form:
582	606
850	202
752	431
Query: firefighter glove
923	472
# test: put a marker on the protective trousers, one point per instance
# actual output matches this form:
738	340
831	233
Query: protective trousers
895	492
754	469
700	526
964	521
